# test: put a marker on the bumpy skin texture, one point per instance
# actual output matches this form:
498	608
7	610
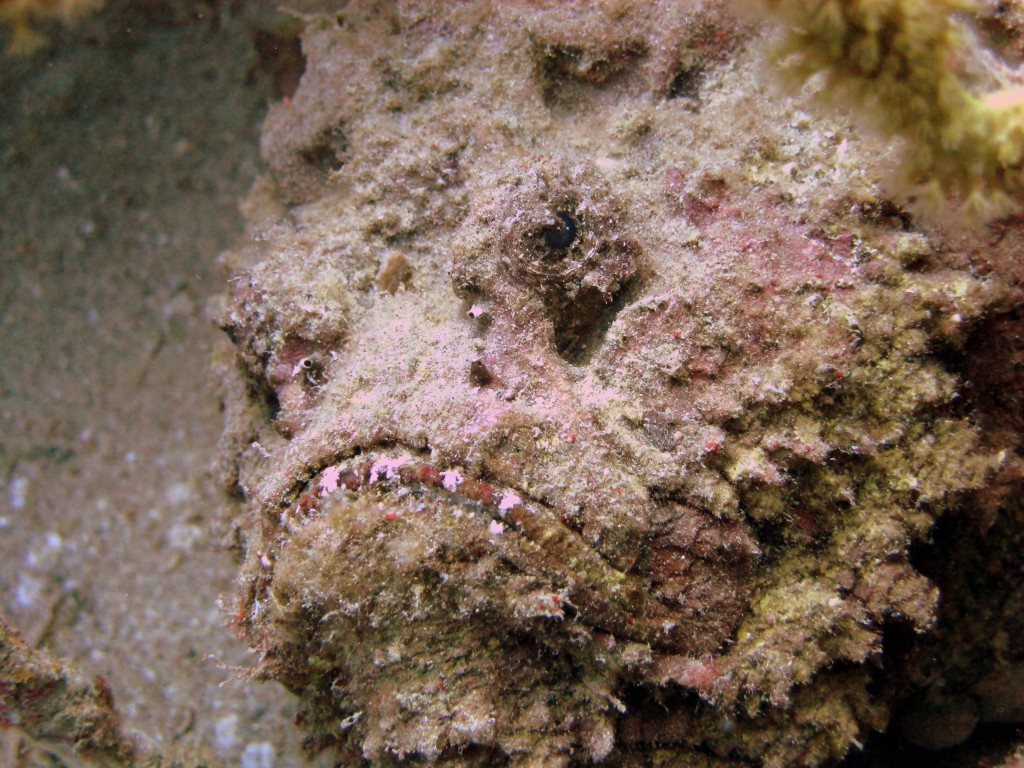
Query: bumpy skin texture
52	701
589	403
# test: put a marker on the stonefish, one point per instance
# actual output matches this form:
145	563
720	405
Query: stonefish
590	397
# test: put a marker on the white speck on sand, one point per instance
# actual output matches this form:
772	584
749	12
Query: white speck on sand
16	492
178	494
28	590
225	732
258	754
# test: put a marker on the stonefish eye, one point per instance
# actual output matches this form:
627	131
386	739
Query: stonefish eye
561	233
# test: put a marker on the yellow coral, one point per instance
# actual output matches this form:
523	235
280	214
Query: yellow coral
19	16
898	60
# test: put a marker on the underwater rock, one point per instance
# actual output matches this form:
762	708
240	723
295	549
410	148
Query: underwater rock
590	406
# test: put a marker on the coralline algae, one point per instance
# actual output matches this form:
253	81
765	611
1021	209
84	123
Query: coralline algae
591	399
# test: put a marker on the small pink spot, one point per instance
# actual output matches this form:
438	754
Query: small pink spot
701	674
329	479
508	501
497	528
1006	98
451	479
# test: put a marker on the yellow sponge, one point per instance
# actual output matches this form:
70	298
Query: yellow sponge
900	63
20	16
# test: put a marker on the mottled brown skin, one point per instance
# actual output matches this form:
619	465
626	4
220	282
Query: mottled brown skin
628	465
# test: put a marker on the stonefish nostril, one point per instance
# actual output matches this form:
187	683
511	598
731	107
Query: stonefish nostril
582	414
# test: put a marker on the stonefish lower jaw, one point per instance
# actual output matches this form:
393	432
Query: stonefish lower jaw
586	408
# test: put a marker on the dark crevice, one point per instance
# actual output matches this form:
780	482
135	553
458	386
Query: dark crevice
686	83
581	327
990	365
479	374
886	213
279	59
989	745
326	152
570	74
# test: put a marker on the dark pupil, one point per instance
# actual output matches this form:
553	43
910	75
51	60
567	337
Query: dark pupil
562	234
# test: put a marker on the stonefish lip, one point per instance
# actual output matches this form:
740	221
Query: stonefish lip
645	604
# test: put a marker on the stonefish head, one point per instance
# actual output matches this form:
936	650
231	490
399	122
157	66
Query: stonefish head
588	402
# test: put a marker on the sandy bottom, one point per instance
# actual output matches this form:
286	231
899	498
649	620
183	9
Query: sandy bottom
123	152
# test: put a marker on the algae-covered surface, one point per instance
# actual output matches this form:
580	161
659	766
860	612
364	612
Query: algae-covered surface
587	397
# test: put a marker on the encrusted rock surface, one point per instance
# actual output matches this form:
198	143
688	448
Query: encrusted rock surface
592	399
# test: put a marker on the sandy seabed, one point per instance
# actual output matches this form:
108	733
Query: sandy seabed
123	152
